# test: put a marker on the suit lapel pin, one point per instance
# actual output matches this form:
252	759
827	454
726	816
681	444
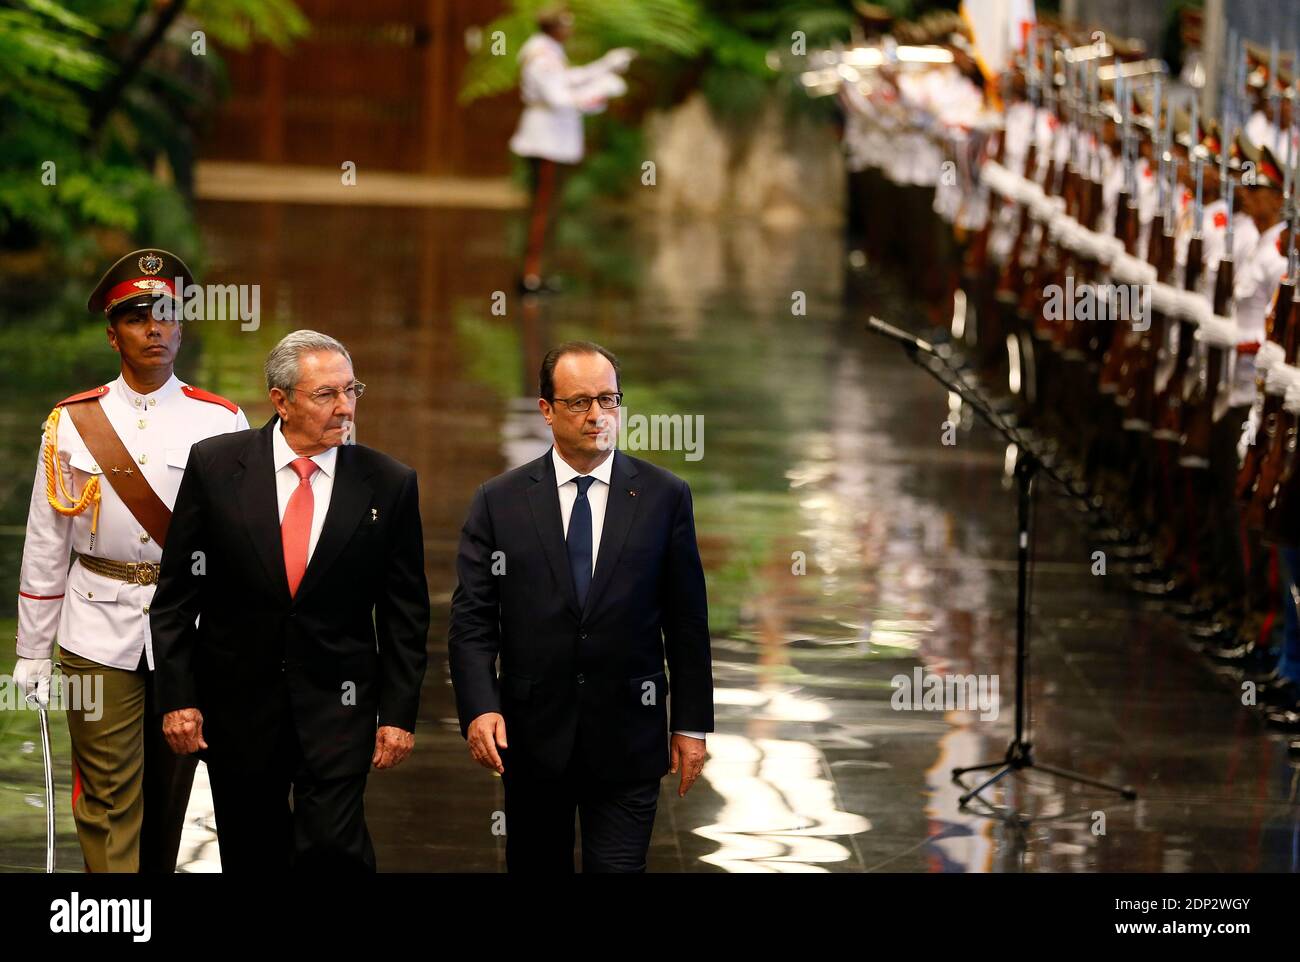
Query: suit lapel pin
632	491
374	515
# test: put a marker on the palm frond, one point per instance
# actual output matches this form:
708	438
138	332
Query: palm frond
653	27
237	23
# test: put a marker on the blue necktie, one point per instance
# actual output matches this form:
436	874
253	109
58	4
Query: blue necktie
579	541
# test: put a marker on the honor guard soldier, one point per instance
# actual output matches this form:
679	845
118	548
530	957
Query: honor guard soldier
110	464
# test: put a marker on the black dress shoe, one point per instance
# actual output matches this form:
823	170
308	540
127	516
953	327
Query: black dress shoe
1191	611
1108	534
1156	587
1216	631
1130	551
1285	694
1271	678
1249	656
1287	722
1146	568
1265	675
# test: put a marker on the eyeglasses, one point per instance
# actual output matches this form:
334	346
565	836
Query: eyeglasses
580	405
326	395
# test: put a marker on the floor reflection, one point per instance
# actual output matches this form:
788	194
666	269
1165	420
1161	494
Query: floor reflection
844	543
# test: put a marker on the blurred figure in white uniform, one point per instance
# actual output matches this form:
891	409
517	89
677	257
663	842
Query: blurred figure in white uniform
549	135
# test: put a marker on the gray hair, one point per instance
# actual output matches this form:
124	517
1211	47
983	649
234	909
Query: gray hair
282	368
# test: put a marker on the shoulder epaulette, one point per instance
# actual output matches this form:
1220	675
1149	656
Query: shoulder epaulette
95	392
198	394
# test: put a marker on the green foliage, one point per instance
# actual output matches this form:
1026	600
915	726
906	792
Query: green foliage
613	169
46	64
721	47
491	349
58	177
655	28
237	23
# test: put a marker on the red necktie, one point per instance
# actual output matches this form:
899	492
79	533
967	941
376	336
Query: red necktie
295	529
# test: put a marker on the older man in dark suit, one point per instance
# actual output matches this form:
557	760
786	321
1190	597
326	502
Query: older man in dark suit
580	572
302	559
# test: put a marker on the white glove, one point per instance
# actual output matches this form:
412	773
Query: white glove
595	93
32	675
619	59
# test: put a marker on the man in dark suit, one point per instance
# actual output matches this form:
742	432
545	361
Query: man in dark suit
302	558
580	572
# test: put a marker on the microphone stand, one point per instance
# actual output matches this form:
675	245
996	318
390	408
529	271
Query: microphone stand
1029	463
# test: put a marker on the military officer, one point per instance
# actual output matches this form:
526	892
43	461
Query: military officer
556	96
109	467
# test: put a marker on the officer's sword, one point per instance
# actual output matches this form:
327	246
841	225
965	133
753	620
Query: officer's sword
46	757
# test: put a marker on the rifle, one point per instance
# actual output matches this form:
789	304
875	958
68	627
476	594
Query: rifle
1137	377
1282	507
1265	456
1276	329
1282	429
1205	398
1127	224
1281	497
1168	425
1045	258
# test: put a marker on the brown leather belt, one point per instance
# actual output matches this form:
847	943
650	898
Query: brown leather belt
132	572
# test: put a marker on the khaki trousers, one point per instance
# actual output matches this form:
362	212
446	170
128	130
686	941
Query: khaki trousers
130	790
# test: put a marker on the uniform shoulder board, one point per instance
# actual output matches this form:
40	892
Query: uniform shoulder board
95	392
198	394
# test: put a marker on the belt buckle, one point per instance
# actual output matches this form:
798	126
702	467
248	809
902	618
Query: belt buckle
143	572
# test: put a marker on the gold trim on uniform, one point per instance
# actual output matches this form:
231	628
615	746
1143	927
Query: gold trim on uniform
132	572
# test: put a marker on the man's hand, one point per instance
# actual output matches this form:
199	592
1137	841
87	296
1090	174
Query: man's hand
485	735
183	729
688	753
392	745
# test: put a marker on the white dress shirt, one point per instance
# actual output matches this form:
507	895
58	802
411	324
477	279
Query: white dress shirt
597	495
286	480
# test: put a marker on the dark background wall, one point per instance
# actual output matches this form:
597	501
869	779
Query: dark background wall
375	83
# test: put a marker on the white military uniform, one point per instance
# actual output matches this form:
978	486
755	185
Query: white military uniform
1257	282
556	96
1244	237
1262	131
99	618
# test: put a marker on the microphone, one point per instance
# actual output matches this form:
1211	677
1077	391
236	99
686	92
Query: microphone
902	337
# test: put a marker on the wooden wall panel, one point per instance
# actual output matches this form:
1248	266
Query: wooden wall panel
375	83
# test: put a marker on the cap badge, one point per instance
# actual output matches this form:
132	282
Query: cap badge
150	263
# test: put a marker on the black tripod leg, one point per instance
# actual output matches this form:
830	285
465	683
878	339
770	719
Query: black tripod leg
1127	791
959	772
992	779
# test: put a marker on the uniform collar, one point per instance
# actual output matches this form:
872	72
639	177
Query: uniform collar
132	399
282	454
565	472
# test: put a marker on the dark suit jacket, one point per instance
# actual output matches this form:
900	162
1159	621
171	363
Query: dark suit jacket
590	682
360	618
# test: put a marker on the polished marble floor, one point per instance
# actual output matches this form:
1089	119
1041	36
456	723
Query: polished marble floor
845	544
